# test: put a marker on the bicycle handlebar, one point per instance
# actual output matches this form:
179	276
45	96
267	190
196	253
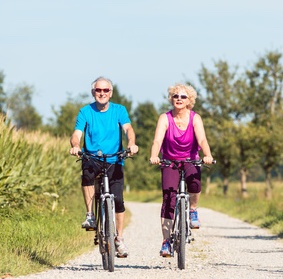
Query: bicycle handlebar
123	154
197	163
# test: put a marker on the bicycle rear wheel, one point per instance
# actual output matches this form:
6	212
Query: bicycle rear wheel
182	234
110	234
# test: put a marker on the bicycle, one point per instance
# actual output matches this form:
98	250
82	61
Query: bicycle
181	233
104	207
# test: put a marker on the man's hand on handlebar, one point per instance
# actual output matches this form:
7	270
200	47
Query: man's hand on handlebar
134	149
75	151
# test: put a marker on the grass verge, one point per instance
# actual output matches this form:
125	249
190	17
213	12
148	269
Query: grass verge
34	240
254	209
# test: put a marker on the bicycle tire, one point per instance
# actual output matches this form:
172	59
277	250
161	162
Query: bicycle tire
182	234
110	233
104	255
101	237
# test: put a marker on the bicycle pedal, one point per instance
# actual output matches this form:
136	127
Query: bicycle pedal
167	256
90	229
121	256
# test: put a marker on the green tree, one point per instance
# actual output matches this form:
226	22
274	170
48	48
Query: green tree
24	114
265	81
222	109
264	101
118	98
145	116
65	117
248	155
140	174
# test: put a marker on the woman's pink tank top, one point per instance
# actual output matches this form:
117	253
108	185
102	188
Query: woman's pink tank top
180	144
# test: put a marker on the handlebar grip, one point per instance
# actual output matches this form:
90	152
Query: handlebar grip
213	161
80	153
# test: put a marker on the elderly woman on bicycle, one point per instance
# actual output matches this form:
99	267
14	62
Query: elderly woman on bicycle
179	135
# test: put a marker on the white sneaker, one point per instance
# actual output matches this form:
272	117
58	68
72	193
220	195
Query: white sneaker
90	222
121	248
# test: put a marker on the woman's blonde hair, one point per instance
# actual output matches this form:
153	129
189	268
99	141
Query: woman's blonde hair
185	89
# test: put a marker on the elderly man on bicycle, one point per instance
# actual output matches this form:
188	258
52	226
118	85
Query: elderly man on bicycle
101	123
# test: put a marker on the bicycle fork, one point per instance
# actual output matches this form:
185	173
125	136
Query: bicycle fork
188	230
187	215
111	196
100	211
186	196
175	230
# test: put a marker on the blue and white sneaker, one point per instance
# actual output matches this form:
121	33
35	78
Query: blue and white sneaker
90	222
194	221
165	249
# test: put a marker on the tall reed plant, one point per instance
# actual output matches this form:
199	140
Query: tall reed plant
41	205
34	168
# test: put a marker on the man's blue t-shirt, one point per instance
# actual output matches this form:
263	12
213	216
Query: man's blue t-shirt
102	130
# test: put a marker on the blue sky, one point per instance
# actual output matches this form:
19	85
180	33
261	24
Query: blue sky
61	46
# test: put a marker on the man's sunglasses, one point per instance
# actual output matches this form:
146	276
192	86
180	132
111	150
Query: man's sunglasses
105	90
177	96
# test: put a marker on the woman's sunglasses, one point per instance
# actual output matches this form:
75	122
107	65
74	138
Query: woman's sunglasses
177	96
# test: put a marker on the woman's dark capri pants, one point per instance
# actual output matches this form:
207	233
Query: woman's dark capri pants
92	168
170	181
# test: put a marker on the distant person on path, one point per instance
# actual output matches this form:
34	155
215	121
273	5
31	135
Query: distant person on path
179	135
101	123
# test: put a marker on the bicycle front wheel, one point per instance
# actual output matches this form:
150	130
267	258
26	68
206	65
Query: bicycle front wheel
104	255
101	234
110	233
182	234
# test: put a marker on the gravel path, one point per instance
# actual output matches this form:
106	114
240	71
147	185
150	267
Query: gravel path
224	247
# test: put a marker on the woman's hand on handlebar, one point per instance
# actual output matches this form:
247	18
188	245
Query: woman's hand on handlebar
208	160
154	160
